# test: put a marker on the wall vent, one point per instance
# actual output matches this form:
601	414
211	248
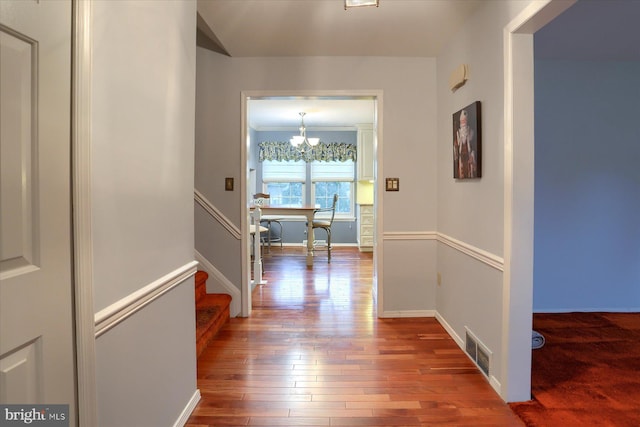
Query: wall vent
477	351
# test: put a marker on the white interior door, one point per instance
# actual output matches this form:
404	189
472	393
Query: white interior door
36	290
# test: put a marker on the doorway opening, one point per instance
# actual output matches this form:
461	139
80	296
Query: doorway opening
519	196
333	116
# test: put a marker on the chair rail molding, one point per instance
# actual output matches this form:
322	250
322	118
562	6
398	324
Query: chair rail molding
216	214
120	310
410	235
481	255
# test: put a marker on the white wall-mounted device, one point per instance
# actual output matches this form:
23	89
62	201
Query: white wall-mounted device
458	77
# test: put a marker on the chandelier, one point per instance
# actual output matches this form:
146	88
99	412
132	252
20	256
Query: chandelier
301	142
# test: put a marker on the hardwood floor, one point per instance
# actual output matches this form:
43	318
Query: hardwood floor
314	353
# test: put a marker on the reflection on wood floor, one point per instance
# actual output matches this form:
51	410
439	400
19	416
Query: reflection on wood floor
314	353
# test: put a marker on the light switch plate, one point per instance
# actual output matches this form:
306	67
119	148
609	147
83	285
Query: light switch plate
392	184
228	184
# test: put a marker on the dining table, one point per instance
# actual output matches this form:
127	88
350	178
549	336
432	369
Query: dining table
257	211
306	211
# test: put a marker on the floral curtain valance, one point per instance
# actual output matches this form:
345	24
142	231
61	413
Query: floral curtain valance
323	152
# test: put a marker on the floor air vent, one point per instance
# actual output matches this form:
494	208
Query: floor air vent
477	351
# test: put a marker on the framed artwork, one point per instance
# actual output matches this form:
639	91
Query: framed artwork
467	142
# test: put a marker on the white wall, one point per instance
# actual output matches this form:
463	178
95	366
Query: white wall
471	293
141	130
143	93
409	131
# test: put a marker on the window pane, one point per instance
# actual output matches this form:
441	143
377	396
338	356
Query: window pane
285	193
324	191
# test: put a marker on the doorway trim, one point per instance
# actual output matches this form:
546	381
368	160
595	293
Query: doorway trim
245	96
81	74
519	177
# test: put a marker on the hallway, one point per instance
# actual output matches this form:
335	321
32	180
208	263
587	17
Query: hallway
313	353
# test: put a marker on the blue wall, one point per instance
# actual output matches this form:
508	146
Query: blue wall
587	186
294	231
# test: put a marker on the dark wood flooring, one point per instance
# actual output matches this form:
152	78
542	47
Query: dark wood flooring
314	353
587	372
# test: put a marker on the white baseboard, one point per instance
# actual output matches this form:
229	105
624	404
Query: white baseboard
220	284
495	384
408	313
186	412
447	327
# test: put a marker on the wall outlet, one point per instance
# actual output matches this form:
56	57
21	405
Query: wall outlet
439	279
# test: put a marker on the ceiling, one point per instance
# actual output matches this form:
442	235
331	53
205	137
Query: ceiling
406	28
397	28
589	30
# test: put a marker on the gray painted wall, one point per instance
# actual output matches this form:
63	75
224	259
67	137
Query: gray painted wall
586	190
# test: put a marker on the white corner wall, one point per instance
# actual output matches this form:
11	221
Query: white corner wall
143	110
409	153
472	212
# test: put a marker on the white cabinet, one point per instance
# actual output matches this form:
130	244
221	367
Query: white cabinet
365	228
365	153
365	170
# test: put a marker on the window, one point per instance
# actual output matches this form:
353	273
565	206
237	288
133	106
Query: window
324	191
285	193
331	178
284	182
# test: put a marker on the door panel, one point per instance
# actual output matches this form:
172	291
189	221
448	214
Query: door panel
20	380
18	81
36	309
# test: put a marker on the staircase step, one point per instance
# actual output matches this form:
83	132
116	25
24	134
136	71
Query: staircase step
212	312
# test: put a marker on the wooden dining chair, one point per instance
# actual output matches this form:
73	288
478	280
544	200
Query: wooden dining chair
325	224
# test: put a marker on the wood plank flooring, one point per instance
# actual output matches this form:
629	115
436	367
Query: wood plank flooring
314	353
